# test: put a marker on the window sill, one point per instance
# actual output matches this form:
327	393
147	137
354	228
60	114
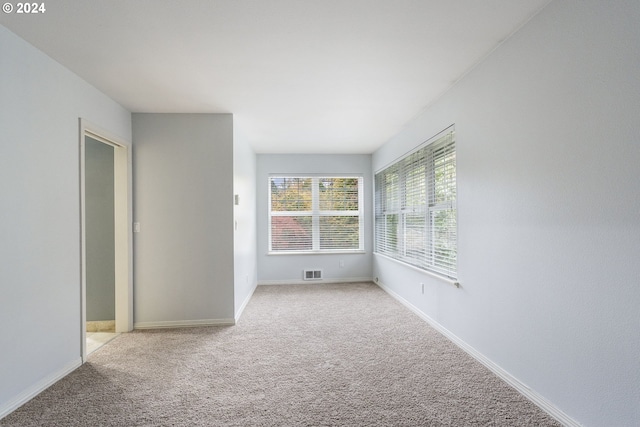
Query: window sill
443	278
316	252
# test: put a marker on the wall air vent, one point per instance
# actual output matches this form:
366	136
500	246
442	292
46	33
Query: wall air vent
312	275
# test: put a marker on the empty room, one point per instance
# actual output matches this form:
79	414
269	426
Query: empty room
304	212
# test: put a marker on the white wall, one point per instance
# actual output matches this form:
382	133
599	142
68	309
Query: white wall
183	200
244	216
40	103
549	228
289	268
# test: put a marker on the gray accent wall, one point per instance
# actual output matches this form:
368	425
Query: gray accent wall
40	103
183	201
100	231
548	143
289	268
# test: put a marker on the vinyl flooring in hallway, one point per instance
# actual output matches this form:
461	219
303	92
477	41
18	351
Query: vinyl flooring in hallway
95	340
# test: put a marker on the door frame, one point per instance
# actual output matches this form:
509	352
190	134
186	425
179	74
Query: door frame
123	230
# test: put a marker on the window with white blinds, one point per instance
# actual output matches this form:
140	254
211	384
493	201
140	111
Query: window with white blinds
415	207
315	214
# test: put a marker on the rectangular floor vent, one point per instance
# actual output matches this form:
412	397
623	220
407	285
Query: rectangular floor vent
312	275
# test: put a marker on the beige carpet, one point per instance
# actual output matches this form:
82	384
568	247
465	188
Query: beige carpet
313	355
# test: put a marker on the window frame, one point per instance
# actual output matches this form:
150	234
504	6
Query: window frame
316	213
402	180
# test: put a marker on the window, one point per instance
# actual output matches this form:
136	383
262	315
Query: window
315	214
415	207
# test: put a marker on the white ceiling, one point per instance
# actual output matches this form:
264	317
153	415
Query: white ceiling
300	76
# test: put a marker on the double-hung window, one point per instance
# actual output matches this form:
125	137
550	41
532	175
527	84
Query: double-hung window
312	214
415	207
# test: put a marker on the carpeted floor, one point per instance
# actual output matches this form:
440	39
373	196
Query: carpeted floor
312	355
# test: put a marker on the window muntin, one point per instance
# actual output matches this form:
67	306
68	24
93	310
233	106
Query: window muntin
415	208
315	214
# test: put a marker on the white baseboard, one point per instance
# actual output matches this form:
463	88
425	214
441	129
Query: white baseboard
37	388
530	394
314	282
183	323
244	304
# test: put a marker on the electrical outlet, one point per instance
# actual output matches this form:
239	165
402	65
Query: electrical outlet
422	284
341	263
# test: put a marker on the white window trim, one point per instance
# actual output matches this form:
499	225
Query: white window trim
428	264
315	213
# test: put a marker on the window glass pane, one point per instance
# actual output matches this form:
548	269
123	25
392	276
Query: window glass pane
339	232
443	240
391	232
338	194
415	236
290	194
415	183
445	178
391	200
289	233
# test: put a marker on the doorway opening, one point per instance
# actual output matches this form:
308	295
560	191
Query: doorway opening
106	291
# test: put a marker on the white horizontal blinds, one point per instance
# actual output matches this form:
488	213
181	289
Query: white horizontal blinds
387	210
291	214
442	242
415	208
316	213
413	196
339	213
